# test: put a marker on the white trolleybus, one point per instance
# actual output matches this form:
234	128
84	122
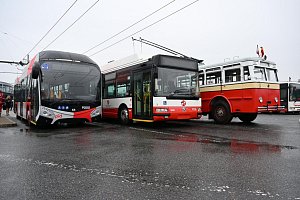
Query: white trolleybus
150	89
58	87
290	96
240	88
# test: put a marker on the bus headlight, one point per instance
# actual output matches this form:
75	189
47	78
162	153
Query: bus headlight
161	110
95	112
260	99
276	99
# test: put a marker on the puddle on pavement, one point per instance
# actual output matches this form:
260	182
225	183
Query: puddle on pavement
234	144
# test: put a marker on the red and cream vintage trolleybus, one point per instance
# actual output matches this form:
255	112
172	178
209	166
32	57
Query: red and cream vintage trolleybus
240	88
149	89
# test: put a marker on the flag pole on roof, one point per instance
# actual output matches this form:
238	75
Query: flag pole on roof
260	52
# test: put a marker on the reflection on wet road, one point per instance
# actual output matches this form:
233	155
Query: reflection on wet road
234	144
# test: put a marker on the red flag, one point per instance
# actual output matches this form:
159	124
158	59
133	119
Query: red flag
262	51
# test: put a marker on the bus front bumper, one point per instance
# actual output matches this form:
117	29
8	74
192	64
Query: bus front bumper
271	108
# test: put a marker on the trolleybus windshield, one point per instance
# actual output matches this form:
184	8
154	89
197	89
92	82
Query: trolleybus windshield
259	74
176	83
64	81
272	75
294	92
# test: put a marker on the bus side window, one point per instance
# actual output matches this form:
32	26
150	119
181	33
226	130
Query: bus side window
201	78
213	78
109	85
110	90
246	74
233	75
123	84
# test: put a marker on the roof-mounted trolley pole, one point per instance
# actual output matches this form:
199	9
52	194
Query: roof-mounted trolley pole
165	49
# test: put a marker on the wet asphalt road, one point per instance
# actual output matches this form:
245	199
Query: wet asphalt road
176	160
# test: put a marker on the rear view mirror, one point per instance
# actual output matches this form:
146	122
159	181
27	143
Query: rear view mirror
36	68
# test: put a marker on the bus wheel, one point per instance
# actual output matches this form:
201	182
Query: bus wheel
221	113
124	116
249	117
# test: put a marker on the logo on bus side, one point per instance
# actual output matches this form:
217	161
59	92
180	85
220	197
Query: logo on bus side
183	102
58	116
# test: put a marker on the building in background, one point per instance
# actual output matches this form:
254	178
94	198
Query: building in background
7	89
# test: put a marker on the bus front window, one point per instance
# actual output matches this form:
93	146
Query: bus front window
65	81
174	82
272	75
259	74
294	92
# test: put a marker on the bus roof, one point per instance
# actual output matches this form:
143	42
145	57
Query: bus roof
124	63
252	60
161	60
60	55
54	56
285	82
5	83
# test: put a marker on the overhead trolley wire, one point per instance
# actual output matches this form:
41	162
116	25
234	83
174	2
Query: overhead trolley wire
145	27
129	27
72	24
11	35
53	26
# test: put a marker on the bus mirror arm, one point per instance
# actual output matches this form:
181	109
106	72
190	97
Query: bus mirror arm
36	70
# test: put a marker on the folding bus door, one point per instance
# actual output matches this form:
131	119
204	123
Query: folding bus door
142	97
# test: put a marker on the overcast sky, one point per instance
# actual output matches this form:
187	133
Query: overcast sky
211	30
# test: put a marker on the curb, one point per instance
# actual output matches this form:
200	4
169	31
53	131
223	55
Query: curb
10	123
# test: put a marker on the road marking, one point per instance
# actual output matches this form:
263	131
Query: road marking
138	177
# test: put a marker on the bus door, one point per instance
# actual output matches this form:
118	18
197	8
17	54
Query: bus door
284	97
34	107
142	97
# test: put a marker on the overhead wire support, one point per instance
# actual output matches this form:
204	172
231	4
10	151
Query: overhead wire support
129	27
146	27
52	26
13	62
71	25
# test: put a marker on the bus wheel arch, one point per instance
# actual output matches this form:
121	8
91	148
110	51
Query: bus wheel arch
123	114
247	117
221	110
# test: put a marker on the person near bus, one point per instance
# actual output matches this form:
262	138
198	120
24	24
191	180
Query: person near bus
12	105
8	104
1	101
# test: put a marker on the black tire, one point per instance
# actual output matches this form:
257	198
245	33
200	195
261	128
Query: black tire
221	113
124	116
248	117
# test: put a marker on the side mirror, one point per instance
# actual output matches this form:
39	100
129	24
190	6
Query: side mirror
36	68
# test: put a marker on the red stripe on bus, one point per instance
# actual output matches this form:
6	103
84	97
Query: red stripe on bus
29	70
85	114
